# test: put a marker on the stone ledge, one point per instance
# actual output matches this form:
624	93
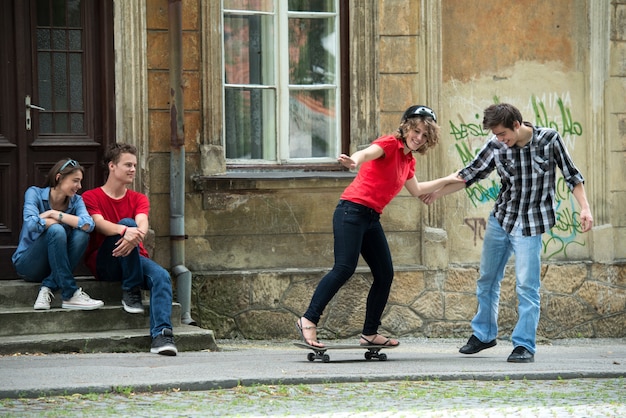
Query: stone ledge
271	180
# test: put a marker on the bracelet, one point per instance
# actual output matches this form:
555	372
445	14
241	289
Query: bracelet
60	216
124	231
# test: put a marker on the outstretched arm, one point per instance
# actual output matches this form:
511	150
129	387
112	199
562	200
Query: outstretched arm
355	160
418	189
429	198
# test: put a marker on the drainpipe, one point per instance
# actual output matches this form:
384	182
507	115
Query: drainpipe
177	164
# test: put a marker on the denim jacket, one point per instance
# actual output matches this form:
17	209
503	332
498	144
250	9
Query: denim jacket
36	201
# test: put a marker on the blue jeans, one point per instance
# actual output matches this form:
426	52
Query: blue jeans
357	230
497	249
135	270
53	257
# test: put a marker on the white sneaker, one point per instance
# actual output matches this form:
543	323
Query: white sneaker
81	300
43	299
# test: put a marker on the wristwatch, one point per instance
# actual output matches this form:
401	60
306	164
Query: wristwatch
60	216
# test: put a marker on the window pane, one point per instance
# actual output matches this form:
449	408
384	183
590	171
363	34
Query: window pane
43	13
311	6
60	123
43	39
58	13
78	126
312	51
312	124
75	40
59	81
252	5
44	72
76	82
45	123
73	14
248	50
59	42
250	128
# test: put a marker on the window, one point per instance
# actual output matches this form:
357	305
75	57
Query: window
281	81
60	56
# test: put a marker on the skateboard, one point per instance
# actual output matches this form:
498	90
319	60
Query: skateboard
319	353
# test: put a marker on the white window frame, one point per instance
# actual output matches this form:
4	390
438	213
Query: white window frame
283	88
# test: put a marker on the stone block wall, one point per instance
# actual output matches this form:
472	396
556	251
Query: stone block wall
577	300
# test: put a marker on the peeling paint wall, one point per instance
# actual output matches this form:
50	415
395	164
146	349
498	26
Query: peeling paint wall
488	38
535	55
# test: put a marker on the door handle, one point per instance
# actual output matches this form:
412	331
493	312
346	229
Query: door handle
28	107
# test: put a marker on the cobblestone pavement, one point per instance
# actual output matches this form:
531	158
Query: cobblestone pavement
473	398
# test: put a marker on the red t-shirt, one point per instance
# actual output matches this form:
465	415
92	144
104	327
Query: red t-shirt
380	180
99	203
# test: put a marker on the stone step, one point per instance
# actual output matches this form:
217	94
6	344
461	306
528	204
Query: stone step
108	329
24	321
19	293
186	337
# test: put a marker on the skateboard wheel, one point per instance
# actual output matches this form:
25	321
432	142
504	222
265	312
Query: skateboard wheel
310	356
325	358
368	355
382	357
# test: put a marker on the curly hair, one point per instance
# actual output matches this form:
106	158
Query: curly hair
432	131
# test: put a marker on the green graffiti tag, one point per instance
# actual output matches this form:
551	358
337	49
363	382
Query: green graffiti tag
464	130
567	127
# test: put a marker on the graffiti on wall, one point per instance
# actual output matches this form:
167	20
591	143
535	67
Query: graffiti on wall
550	110
558	117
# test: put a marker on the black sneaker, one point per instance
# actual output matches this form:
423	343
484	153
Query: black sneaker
474	345
164	343
521	354
131	300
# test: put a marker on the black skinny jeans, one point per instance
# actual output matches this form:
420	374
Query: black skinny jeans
357	230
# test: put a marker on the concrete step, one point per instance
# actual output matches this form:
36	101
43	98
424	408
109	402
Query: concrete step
186	337
108	329
24	321
18	293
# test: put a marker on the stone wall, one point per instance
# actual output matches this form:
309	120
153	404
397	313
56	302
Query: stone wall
577	300
615	121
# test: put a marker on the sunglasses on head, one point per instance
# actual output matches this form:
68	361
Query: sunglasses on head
422	111
73	163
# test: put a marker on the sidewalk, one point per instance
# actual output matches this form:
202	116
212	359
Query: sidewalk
262	362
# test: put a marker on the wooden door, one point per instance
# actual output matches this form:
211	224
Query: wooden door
57	100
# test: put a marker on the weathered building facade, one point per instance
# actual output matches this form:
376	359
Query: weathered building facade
259	233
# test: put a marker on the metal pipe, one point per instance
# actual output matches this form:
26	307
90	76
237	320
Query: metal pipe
177	163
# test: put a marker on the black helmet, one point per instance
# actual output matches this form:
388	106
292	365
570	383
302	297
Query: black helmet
419	110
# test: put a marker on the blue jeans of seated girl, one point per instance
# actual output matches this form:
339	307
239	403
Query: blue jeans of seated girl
357	230
498	247
53	257
133	271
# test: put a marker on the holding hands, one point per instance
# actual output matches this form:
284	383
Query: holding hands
454	183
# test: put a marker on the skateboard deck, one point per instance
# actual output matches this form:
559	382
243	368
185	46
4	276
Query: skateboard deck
319	353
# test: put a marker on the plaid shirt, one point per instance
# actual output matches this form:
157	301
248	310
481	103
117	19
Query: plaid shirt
528	177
